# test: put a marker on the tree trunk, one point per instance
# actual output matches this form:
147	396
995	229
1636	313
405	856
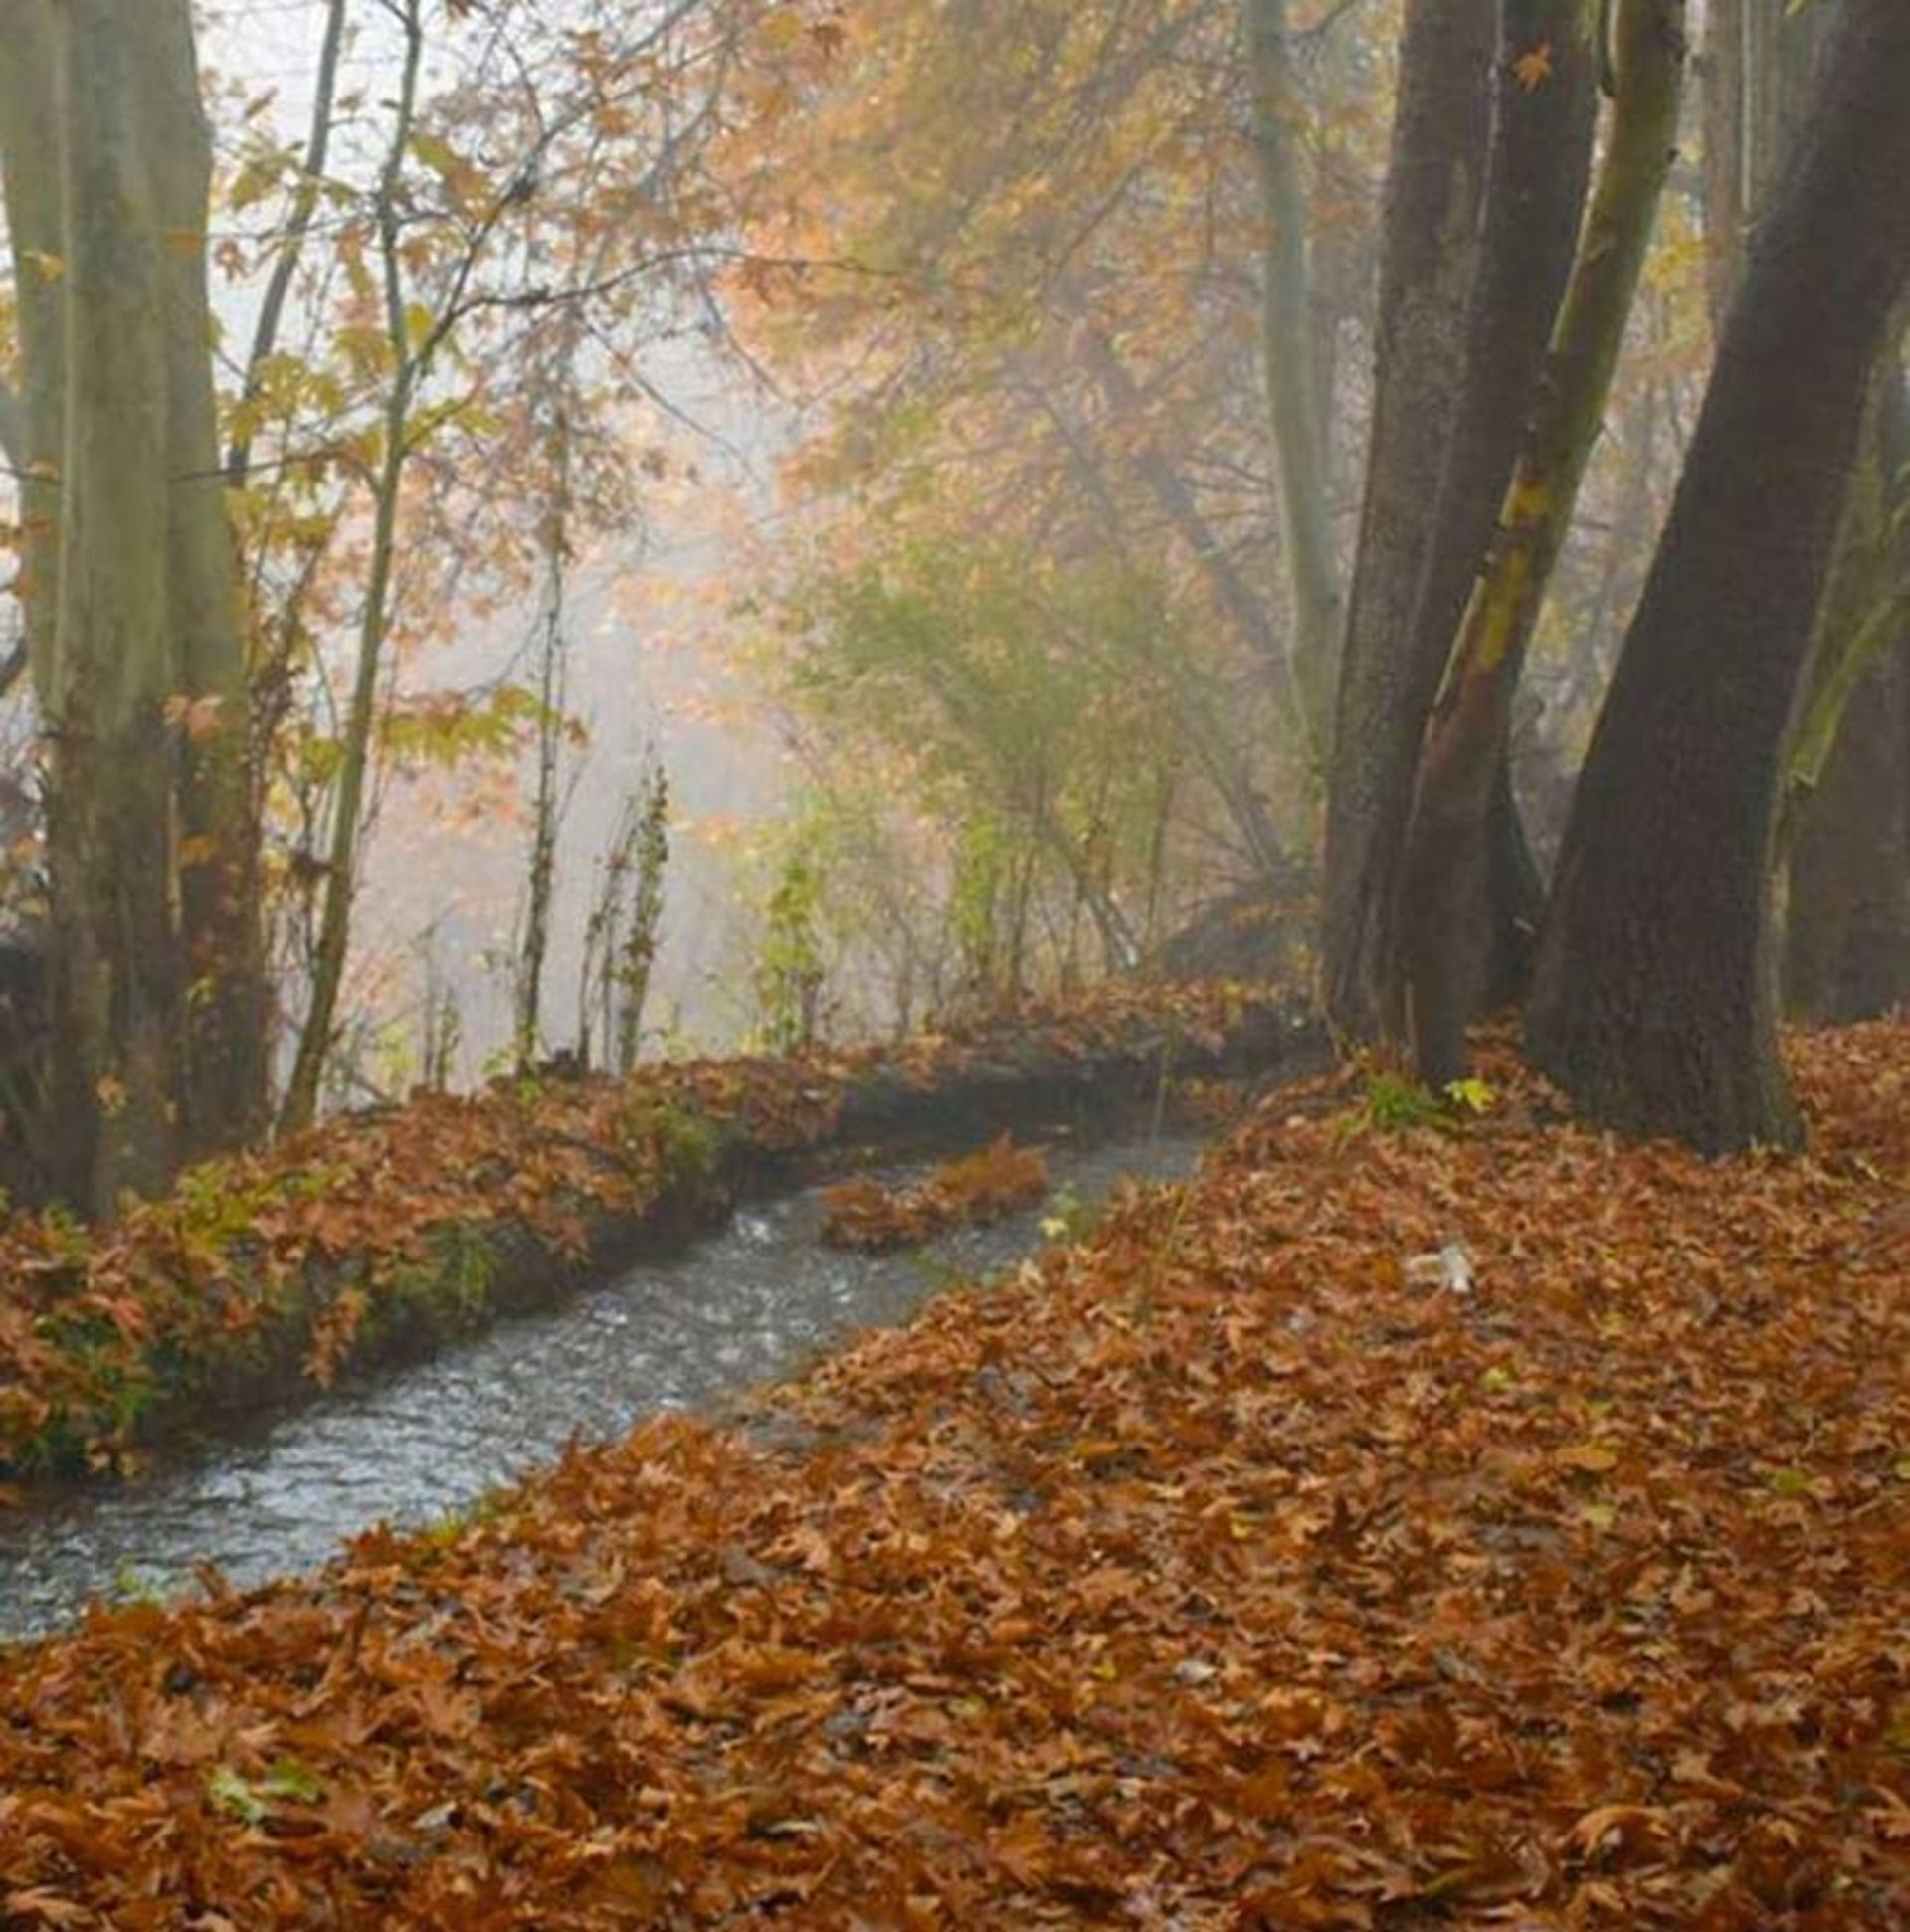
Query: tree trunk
1847	942
1238	602
292	246
1844	832
1655	1002
1314	579
1434	189
1727	212
1760	69
119	990
1440	976
315	1037
540	881
131	597
1540	159
33	179
223	1099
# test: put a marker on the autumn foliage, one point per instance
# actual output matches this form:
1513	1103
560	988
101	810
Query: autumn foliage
339	1243
1211	1575
980	1187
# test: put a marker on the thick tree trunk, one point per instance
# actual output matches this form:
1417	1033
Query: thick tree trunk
1847	940
119	990
1760	68
1655	1002
1438	978
1313	572
1435	190
130	590
1540	159
223	1099
1844	832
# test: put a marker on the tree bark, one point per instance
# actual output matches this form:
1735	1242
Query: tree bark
1314	577
1727	212
224	1098
1760	69
1435	190
1539	163
1847	938
13	431
1844	832
1655	1002
301	1104
32	182
1439	977
131	591
118	992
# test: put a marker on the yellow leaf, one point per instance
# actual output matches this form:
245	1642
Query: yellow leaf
1534	67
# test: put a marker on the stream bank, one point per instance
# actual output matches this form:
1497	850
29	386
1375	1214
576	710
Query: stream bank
428	1443
380	1236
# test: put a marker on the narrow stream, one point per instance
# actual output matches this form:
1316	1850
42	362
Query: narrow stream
750	1303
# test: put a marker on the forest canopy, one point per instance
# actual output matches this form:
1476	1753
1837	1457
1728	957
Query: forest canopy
1403	499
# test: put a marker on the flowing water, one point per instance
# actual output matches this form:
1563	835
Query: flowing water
746	1305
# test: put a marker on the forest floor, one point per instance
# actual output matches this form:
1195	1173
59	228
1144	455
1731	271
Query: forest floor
1226	1570
261	1279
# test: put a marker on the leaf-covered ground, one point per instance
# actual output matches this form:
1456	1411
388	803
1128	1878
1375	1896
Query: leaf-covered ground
311	1253
1208	1575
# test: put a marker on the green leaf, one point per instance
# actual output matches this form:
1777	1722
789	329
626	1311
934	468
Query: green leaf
1470	1097
250	1800
437	154
291	1779
235	1797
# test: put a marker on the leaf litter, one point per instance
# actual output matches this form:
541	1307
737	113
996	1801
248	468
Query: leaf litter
1206	1575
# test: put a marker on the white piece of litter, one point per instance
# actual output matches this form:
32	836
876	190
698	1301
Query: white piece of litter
1450	1268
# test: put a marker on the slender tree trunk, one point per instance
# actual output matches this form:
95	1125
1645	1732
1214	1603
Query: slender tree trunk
1656	1003
1313	576
342	869
1238	602
292	246
33	178
1440	973
542	880
13	425
1434	191
1544	117
1726	219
